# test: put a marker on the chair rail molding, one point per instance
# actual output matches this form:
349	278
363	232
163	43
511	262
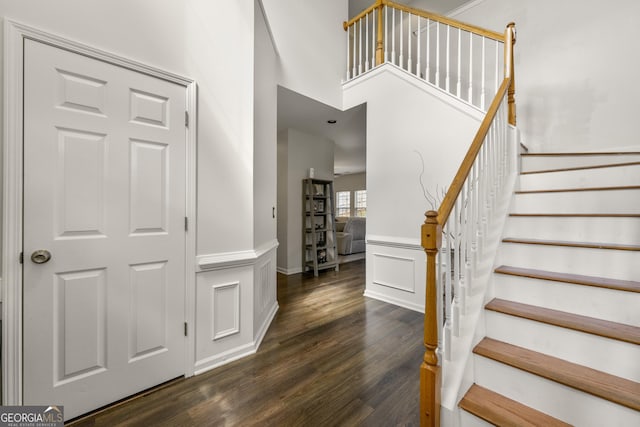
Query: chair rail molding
235	259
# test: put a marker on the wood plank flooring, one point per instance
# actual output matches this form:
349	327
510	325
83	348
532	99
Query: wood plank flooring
330	358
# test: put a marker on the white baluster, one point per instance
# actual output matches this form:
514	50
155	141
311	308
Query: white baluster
427	74
409	61
418	36
482	78
459	84
497	67
393	35
440	299
437	82
366	36
448	51
386	33
455	238
471	68
360	46
447	291
401	41
348	53
354	58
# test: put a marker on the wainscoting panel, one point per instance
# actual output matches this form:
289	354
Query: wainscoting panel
396	272
235	304
224	326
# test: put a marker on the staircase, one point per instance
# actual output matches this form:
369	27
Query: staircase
562	344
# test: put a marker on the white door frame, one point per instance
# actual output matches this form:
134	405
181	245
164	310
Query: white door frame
15	34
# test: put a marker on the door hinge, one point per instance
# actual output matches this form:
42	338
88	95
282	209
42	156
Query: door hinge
186	224
21	258
185	329
186	118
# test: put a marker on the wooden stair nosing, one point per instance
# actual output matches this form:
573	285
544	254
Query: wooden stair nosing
571	190
502	411
600	282
577	215
615	389
565	243
563	319
590	153
578	168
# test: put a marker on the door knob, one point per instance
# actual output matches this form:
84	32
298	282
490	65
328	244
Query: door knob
41	256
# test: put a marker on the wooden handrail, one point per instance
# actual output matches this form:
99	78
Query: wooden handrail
350	22
456	185
449	21
424	14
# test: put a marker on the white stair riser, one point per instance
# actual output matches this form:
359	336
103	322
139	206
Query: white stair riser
537	163
470	420
565	403
575	229
615	264
583	178
591	301
612	201
611	356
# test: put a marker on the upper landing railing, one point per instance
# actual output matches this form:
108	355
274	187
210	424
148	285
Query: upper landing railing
463	60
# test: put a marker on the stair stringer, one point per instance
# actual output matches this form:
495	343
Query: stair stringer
458	374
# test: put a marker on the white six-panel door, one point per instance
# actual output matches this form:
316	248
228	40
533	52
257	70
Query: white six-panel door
104	194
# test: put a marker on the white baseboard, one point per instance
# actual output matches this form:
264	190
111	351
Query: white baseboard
394	301
289	271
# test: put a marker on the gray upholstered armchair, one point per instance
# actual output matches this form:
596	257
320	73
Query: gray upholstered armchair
350	235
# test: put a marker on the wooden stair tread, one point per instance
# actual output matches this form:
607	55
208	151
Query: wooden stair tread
570	190
578	215
600	282
576	322
615	389
502	411
578	168
590	245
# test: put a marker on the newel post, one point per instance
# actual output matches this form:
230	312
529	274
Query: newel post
430	380
510	41
380	33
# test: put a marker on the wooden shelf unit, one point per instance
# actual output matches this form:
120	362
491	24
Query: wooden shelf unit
319	251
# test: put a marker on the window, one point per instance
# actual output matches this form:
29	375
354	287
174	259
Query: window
360	203
351	203
343	203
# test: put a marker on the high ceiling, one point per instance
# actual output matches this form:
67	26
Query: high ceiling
349	132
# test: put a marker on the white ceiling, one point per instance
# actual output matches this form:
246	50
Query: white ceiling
349	133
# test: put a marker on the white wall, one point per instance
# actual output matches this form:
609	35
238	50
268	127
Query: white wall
405	116
303	151
576	69
311	45
265	138
350	182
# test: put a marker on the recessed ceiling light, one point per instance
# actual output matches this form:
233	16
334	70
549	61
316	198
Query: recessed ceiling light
332	122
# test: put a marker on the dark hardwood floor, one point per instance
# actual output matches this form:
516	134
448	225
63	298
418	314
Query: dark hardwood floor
330	358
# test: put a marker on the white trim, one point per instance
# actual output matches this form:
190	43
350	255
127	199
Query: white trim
15	34
386	298
394	242
265	325
289	271
236	259
268	25
235	329
217	360
460	104
412	261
